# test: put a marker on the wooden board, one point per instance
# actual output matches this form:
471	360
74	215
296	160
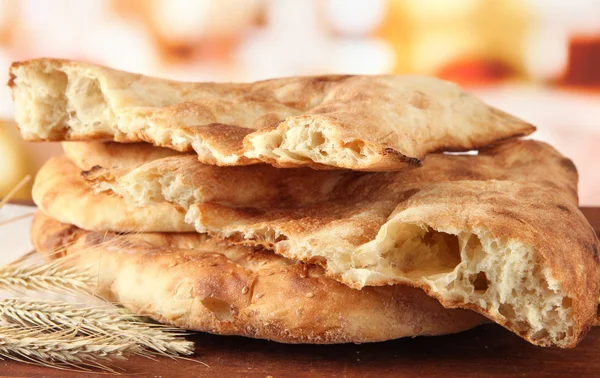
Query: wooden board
486	351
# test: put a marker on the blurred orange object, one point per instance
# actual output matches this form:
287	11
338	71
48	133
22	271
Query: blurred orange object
469	41
471	72
583	68
183	31
8	20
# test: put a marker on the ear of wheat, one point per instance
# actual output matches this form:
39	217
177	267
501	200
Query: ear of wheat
100	321
48	277
61	349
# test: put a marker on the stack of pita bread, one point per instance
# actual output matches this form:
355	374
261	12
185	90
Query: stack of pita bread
310	209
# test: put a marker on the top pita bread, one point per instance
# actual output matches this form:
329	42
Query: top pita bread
369	123
199	283
499	232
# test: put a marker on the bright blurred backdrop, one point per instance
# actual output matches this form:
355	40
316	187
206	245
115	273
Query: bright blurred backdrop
538	59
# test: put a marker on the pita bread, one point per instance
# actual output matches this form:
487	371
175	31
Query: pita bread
195	282
60	192
499	233
188	181
369	123
87	155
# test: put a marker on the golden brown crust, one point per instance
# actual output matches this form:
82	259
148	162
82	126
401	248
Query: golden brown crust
194	282
369	123
86	155
60	191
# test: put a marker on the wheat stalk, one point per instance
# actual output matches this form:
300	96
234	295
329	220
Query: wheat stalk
10	220
103	321
61	349
48	277
14	190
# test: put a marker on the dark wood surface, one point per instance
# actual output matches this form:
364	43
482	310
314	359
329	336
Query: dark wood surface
486	351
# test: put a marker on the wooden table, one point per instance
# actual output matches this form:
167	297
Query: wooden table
486	351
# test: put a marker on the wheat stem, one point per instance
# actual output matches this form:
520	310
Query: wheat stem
14	190
10	220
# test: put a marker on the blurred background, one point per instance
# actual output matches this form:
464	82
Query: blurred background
538	59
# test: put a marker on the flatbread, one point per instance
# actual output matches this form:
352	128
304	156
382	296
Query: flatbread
87	155
188	181
198	283
499	232
60	192
370	123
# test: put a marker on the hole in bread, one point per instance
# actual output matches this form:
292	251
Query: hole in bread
473	246
318	260
87	102
316	138
270	235
480	283
355	146
507	311
220	309
541	334
274	141
419	252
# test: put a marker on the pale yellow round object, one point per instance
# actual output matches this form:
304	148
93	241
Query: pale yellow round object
14	162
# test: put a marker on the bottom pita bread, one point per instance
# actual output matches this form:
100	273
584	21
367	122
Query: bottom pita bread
199	283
